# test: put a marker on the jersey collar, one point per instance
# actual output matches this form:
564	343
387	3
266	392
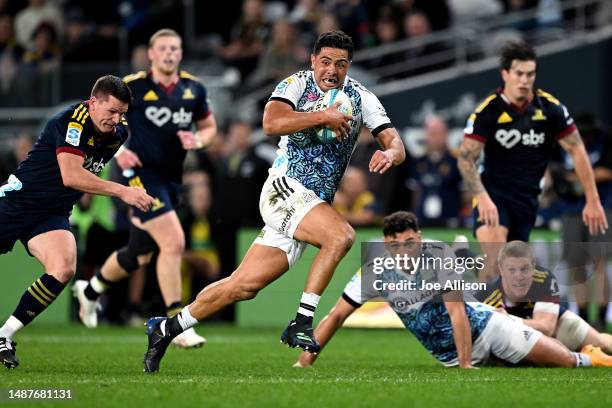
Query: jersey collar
517	108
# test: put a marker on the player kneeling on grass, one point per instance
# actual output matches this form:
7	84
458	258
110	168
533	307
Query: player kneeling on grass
455	332
530	294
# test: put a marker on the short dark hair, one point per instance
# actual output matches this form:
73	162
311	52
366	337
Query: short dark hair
112	85
399	222
515	51
334	39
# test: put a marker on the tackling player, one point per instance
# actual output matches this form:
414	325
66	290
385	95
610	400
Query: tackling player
532	295
37	199
455	333
295	199
167	103
517	127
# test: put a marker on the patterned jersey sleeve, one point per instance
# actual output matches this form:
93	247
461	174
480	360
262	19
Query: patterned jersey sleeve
354	292
290	89
69	136
481	124
374	114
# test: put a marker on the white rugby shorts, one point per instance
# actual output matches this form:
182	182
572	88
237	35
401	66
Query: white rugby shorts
283	203
504	338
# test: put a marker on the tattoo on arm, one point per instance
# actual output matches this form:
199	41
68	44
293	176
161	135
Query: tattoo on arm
571	141
468	154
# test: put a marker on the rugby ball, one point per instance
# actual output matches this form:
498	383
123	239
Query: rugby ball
329	98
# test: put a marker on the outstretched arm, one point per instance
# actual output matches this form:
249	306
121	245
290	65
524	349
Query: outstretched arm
76	177
393	153
326	329
593	214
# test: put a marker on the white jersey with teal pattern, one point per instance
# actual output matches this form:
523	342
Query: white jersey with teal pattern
421	311
320	166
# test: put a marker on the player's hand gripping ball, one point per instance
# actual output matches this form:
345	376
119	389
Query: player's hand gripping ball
326	135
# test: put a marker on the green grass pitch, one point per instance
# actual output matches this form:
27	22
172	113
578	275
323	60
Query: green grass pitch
249	367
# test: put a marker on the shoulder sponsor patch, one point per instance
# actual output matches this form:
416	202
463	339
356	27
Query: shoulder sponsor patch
73	134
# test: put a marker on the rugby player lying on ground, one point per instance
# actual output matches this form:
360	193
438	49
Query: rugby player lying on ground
456	333
530	294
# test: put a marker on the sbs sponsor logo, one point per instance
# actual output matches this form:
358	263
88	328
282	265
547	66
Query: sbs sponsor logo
511	137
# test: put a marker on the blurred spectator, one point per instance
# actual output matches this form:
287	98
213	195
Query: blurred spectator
435	179
200	259
10	53
305	16
87	40
436	11
247	38
243	175
387	31
43	55
140	58
355	201
328	22
22	145
353	19
283	56
381	185
31	17
429	56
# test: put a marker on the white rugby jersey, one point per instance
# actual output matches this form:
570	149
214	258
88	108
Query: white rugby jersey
320	166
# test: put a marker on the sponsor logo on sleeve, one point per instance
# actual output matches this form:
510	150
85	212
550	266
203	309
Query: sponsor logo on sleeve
73	134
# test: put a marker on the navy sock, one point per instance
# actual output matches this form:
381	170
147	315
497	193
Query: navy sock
37	298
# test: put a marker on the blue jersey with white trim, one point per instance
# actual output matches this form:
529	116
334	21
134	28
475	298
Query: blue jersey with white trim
422	311
320	166
155	116
37	185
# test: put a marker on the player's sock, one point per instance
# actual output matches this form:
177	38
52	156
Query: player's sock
37	298
173	309
583	360
308	305
11	326
177	324
97	285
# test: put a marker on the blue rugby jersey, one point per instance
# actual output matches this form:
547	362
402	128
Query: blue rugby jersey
155	116
37	184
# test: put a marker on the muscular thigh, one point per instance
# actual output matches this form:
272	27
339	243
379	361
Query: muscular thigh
320	225
56	250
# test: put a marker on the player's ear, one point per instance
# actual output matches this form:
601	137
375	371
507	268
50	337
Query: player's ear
312	61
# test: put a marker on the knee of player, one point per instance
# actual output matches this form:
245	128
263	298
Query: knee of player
174	247
343	240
